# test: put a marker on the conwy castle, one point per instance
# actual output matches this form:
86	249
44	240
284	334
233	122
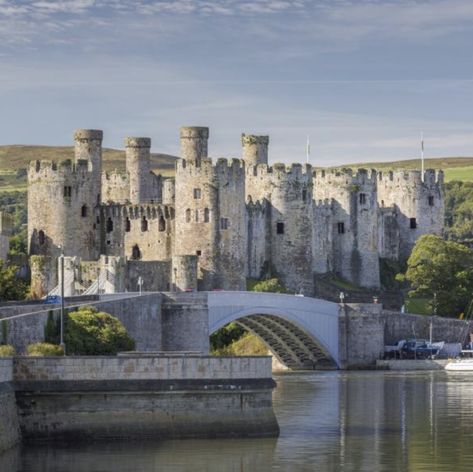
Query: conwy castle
215	224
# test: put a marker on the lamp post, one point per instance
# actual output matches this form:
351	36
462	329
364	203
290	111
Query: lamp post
140	282
61	340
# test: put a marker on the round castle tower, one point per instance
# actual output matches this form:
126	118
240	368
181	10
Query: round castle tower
88	147
291	225
137	151
62	198
354	234
210	213
194	143
255	149
418	203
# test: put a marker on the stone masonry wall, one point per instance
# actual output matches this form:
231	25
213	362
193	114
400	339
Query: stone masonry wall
9	426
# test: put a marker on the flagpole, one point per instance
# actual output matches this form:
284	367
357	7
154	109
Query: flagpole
307	150
422	154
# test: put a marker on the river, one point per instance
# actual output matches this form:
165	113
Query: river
330	421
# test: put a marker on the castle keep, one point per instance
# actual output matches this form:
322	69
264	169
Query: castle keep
217	223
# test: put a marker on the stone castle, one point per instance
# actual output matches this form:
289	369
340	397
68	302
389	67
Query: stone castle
215	224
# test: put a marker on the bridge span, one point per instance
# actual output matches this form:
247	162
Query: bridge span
302	332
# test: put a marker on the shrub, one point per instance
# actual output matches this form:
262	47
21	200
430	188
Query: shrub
90	332
44	349
270	285
6	350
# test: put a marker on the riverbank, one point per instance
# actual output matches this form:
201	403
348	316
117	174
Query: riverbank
132	397
412	364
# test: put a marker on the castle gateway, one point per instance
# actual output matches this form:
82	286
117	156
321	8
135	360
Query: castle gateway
214	224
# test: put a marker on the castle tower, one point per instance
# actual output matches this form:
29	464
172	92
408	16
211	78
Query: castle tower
418	205
255	149
291	225
355	223
184	273
194	143
88	147
210	213
138	157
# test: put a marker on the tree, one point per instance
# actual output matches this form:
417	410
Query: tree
90	332
441	270
269	285
11	287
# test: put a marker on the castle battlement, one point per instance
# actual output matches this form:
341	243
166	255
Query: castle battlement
346	176
279	169
413	178
43	170
150	211
256	208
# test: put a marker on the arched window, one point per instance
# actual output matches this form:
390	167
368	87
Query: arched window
41	237
188	216
127	225
83	211
109	225
206	215
162	224
135	252
144	224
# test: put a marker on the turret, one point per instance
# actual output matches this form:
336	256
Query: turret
194	143
138	157
88	147
255	149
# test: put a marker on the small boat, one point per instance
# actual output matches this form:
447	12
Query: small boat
460	365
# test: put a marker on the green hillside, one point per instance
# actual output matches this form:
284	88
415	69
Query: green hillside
455	168
14	160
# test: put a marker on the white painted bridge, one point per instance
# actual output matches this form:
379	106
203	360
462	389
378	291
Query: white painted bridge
302	332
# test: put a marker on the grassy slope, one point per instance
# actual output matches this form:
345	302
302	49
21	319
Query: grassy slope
248	345
455	168
16	157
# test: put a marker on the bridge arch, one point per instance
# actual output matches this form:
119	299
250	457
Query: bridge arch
302	332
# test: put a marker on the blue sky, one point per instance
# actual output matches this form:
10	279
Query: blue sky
362	78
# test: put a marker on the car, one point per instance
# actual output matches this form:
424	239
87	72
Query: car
52	300
419	349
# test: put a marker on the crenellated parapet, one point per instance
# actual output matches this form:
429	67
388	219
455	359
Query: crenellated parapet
136	211
52	171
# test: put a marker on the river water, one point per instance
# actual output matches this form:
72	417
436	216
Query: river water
330	421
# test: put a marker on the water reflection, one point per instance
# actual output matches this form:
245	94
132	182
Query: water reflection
332	421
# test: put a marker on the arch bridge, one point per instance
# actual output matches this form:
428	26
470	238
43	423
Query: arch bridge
302	332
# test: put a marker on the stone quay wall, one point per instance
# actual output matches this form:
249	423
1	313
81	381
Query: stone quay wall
141	319
9	426
144	397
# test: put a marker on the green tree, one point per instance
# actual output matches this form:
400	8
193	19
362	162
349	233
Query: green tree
11	287
90	332
443	271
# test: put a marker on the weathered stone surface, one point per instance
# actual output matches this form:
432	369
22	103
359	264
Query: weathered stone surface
241	217
9	426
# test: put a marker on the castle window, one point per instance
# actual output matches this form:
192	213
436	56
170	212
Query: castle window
382	203
197	193
362	198
224	223
199	253
127	225
341	227
206	215
280	228
431	201
412	223
196	216
83	211
144	224
41	237
135	252
162	224
188	216
97	220
67	191
304	195
109	225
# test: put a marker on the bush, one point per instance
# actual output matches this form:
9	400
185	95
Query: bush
44	349
270	285
6	350
90	332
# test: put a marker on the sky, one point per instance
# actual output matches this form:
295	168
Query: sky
362	78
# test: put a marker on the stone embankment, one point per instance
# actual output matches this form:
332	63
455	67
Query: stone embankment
129	397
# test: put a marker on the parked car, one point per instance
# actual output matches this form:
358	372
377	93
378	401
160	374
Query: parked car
420	349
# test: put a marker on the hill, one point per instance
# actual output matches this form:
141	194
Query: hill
14	160
455	168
